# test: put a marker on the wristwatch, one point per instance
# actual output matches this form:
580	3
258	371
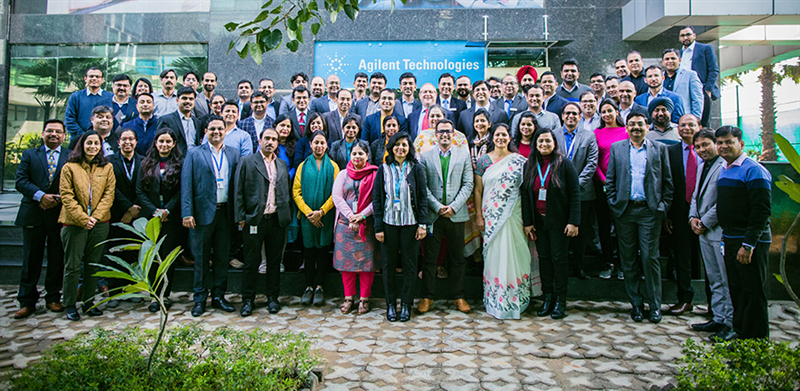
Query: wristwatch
747	247
423	226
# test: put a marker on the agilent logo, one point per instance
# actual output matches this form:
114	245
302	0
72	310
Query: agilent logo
336	64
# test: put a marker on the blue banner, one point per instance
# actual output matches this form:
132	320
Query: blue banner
425	59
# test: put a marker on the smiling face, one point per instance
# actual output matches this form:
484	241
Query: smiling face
444	136
244	91
350	131
186	103
671	61
317	87
496	89
688	125
408	86
94	79
635	64
481	94
375	86
300	99
319	145
316	124
661	116
121	89
284	129
637	128
626	92
611	88
345	101
215	133
549	84
653	78
526	128
164	144
191	81
545	144
390	128
609	115
588	105
230	113
53	135
102	122
501	137
127	141
570	74
267	87
400	149
446	85
427	95
527	80
359	157
216	104
387	102
141	88
687	37
621	69
706	148
259	105
729	147
360	84
434	116
570	116
209	81
91	147
333	84
598	84
481	124
463	87
510	87
535	97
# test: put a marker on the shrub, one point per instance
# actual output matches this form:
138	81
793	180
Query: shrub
740	365
189	359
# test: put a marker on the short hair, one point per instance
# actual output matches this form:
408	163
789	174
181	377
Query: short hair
620	59
571	103
533	86
187	91
588	92
670	50
548	73
345	90
569	61
407	75
651	67
102	109
387	89
145	81
493	78
728	130
260	136
300	75
478	83
145	94
93	69
297	90
446	75
122	77
463	76
632	52
612	77
394	140
266	79
214	117
226	104
597	74
166	72
637	114
54	121
445	121
242	82
191	73
360	74
705	133
215	75
377	75
258	94
688	27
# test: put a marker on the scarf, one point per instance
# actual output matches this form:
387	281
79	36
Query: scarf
316	187
367	176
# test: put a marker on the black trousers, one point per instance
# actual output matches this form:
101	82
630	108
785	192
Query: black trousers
553	248
749	287
399	244
454	235
604	221
171	232
706	109
202	239
685	247
273	238
33	245
317	262
585	235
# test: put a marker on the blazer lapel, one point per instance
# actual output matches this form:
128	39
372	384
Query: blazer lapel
625	157
437	162
711	171
41	153
207	155
261	168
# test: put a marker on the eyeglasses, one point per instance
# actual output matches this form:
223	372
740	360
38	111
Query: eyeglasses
444	130
568	113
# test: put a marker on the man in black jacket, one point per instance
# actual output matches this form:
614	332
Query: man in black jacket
185	126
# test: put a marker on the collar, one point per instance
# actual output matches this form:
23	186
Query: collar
691	47
445	154
114	99
488	105
405	102
161	93
57	150
569	90
684	145
98	93
644	144
653	128
214	149
298	111
568	133
266	159
660	92
738	162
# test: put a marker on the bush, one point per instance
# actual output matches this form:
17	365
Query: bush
190	359
740	365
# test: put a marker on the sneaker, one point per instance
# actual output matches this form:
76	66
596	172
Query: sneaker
606	273
236	264
112	303
262	268
621	276
283	268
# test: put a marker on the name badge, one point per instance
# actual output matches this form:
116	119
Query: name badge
397	205
355	206
253	230
219	183
542	194
722	248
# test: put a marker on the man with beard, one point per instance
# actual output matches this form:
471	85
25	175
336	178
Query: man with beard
446	99
267	87
166	100
327	102
526	76
654	77
371	105
662	129
464	90
185	126
570	89
701	58
202	104
287	102
407	102
626	93
621	68
612	85
317	88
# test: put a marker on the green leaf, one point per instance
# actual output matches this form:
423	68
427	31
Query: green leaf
121	262
789	187
132	229
230	46
788	151
256	52
275	22
291	35
778	276
293	45
231	26
164	266
291	23
333	15
243	53
350	11
261	17
140	225
267	4
313	6
273	40
153	228
125	247
277	10
315	28
118	275
300	34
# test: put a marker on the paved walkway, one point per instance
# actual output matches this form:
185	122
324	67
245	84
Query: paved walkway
596	347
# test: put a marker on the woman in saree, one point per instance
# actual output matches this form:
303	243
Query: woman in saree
507	261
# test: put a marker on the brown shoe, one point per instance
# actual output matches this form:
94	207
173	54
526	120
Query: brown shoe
24	312
55	307
462	305
679	309
424	305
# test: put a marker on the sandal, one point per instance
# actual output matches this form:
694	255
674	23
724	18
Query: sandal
441	272
347	306
363	306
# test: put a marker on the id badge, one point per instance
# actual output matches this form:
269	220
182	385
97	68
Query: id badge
253	230
219	183
396	205
722	248
355	206
542	194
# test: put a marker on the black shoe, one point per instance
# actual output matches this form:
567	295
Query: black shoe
405	312
221	303
724	334
391	313
560	309
711	326
198	309
307	296
579	273
247	308
655	316
319	297
88	310
273	305
167	304
72	313
547	306
637	313
153	307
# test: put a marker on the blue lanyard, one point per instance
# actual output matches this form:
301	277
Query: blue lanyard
546	173
218	165
399	174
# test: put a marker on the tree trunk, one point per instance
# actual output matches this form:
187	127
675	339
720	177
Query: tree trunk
768	113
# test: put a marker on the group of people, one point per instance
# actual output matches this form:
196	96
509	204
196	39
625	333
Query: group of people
480	170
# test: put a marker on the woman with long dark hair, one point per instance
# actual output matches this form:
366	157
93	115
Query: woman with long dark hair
142	85
551	214
528	126
158	190
314	124
87	193
391	125
286	141
340	149
400	206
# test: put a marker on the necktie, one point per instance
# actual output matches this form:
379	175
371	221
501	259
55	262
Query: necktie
691	173
302	122
446	104
51	165
508	108
425	124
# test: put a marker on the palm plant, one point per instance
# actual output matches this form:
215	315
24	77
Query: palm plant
793	190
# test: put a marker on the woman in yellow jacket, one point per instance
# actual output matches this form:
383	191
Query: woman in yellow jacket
313	191
87	193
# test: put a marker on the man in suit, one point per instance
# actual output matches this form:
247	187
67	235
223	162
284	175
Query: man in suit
480	94
78	114
185	126
580	146
259	120
418	119
684	82
654	77
267	87
511	103
544	118
207	181
553	102
202	103
327	102
449	184
262	209
145	125
702	59
639	189
683	162
244	90
636	73
335	118
446	99
371	105
373	124
407	103
201	109
627	93
287	102
124	106
612	88
703	221
464	91
37	180
103	124
299	113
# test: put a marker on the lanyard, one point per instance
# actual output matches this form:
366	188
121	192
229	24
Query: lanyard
129	173
218	164
571	148
89	208
357	186
399	174
546	173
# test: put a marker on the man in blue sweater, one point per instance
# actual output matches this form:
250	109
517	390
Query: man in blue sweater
743	208
80	104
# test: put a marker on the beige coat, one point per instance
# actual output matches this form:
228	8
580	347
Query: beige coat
75	187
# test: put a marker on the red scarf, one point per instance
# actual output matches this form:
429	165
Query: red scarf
367	177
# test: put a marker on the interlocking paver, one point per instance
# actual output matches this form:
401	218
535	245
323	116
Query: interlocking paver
495	374
537	377
563	350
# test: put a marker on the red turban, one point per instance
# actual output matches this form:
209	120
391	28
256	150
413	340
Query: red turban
529	70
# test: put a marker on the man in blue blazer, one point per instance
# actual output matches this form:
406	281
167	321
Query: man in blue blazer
185	126
702	59
327	102
207	183
373	127
371	104
683	82
654	77
37	179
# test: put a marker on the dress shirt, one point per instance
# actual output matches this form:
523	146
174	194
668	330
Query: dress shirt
685	148
507	106
107	150
119	113
259	124
224	174
623	113
422	116
164	104
332	105
707	168
569	137
189	130
241	105
686	57
269	163
271	109
373	106
590	125
408	107
650	96
446	103
638	158
669	81
56	154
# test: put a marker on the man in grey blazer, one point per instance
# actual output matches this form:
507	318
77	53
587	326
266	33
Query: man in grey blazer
262	208
580	146
334	118
449	183
639	189
703	221
206	189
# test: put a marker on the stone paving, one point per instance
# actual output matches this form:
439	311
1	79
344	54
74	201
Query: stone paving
596	346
